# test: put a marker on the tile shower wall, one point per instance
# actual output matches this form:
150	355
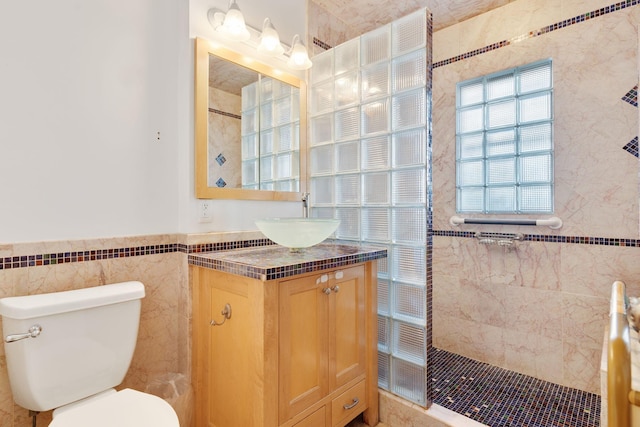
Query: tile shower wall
224	133
163	340
541	309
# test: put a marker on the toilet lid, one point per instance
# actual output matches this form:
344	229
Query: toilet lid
126	408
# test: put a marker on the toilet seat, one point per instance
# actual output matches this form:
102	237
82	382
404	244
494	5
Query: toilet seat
125	408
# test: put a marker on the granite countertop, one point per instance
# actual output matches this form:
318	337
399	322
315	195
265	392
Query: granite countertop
276	262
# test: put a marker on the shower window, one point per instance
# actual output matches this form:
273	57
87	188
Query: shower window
504	141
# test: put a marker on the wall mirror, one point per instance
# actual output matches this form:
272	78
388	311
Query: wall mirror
250	128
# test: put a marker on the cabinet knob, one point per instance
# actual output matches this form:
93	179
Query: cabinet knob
335	288
351	405
327	291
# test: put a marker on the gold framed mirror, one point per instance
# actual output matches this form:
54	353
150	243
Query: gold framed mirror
282	144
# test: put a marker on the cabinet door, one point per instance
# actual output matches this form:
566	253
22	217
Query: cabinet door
303	344
347	335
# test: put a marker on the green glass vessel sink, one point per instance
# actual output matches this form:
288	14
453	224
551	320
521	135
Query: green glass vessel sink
297	233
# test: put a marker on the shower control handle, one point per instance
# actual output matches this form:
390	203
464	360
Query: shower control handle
34	331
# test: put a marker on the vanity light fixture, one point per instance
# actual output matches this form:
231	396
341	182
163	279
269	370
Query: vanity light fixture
231	25
298	56
270	40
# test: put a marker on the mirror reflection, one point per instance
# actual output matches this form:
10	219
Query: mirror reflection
249	143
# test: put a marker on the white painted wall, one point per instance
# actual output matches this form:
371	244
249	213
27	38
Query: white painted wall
85	87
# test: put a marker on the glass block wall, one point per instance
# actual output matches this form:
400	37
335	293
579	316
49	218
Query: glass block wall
369	109
270	136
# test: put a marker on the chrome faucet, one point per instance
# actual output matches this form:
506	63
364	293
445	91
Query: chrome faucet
305	205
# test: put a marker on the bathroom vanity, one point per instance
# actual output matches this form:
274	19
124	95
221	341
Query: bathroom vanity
284	338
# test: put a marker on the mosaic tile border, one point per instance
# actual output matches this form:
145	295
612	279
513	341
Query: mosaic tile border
224	113
582	240
632	96
539	32
632	147
498	397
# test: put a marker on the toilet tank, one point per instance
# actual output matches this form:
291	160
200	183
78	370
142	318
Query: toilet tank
85	347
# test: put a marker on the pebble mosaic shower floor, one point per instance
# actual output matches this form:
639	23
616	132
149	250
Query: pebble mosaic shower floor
501	398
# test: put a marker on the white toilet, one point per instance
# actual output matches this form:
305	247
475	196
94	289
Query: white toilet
67	350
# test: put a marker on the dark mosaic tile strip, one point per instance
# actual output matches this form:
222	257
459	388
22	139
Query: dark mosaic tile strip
632	146
321	44
544	30
632	96
606	241
224	113
499	398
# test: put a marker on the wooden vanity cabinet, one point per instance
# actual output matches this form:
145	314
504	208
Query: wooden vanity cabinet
299	351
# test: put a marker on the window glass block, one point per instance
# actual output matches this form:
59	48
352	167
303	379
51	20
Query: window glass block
282	111
347	56
322	212
266	168
408	264
384	299
501	171
536	198
281	89
408	342
375	188
470	120
502	142
375	224
375	81
347	90
348	189
501	114
284	136
266	142
375	117
321	97
536	138
284	165
349	227
501	199
375	153
409	187
250	121
287	185
249	172
409	225
321	129
470	173
501	86
267	185
384	370
470	199
535	107
409	110
266	116
321	160
535	168
295	105
410	303
250	146
470	93
322	66
375	46
348	156
250	96
266	89
322	190
384	334
536	78
347	124
409	71
410	148
409	381
470	146
409	33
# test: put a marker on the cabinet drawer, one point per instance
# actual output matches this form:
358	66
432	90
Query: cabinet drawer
349	404
317	419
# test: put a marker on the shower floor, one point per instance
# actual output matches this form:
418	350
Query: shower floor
498	397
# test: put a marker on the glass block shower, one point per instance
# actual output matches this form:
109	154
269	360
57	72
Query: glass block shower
370	147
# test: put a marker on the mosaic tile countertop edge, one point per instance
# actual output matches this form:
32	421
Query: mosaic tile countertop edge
276	262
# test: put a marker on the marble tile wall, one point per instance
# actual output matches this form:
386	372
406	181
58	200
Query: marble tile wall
225	157
541	309
164	336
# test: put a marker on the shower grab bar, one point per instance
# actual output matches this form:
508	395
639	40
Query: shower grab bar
553	223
